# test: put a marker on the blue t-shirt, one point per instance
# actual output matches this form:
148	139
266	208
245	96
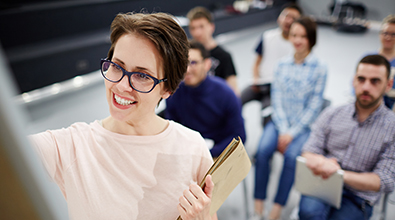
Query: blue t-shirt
211	108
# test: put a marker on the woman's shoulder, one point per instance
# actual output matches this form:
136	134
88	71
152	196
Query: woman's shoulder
184	132
315	62
286	60
77	126
189	140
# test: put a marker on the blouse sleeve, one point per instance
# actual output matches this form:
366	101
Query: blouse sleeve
49	145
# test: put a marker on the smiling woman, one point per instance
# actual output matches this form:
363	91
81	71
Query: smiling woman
127	166
297	98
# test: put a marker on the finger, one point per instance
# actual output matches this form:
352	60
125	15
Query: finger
183	207
280	145
181	210
209	188
329	173
185	214
192	194
281	149
184	201
316	171
311	164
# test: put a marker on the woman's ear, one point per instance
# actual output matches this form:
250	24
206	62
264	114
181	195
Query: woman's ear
166	94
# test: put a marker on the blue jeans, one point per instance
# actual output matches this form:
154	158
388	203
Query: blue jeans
267	147
352	208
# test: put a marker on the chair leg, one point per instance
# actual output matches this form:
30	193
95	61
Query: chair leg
246	206
384	207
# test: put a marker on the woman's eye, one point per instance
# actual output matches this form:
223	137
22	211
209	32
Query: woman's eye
116	67
142	76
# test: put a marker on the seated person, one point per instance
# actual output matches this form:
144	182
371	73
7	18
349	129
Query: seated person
273	45
206	103
297	99
358	138
387	50
127	166
202	27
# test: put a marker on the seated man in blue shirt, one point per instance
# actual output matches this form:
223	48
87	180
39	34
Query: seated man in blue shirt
358	138
206	103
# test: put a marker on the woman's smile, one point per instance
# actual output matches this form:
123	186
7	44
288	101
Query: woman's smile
122	102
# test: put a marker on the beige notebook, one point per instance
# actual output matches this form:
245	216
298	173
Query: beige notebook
228	170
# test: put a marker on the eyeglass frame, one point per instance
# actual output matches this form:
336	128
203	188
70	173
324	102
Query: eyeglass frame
385	34
194	63
129	74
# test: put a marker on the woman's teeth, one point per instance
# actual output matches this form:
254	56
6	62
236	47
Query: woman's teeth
122	101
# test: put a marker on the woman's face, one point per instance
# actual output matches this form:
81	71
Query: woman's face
387	41
135	53
298	38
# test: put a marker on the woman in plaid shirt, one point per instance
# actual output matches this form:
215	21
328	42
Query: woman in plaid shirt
297	99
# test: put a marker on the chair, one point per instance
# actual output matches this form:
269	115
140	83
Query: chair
265	114
383	211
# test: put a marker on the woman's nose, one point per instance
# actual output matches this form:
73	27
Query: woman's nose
124	84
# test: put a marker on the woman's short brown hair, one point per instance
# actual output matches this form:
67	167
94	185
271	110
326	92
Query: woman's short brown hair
167	36
311	29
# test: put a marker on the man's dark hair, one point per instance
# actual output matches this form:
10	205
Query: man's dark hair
193	44
390	19
311	29
291	5
200	12
377	60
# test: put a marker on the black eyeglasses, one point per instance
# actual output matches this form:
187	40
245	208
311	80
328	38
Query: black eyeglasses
194	63
140	82
385	34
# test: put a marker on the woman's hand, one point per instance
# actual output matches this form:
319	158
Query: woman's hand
283	142
195	204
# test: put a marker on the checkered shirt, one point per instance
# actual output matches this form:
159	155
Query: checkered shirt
367	146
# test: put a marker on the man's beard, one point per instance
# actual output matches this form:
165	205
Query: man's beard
370	104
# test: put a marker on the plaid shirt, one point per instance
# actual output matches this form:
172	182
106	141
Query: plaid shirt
297	94
367	146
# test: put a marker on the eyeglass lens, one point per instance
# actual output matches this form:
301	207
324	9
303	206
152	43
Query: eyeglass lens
193	63
139	81
385	34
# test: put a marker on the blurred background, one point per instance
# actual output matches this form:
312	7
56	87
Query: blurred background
53	49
